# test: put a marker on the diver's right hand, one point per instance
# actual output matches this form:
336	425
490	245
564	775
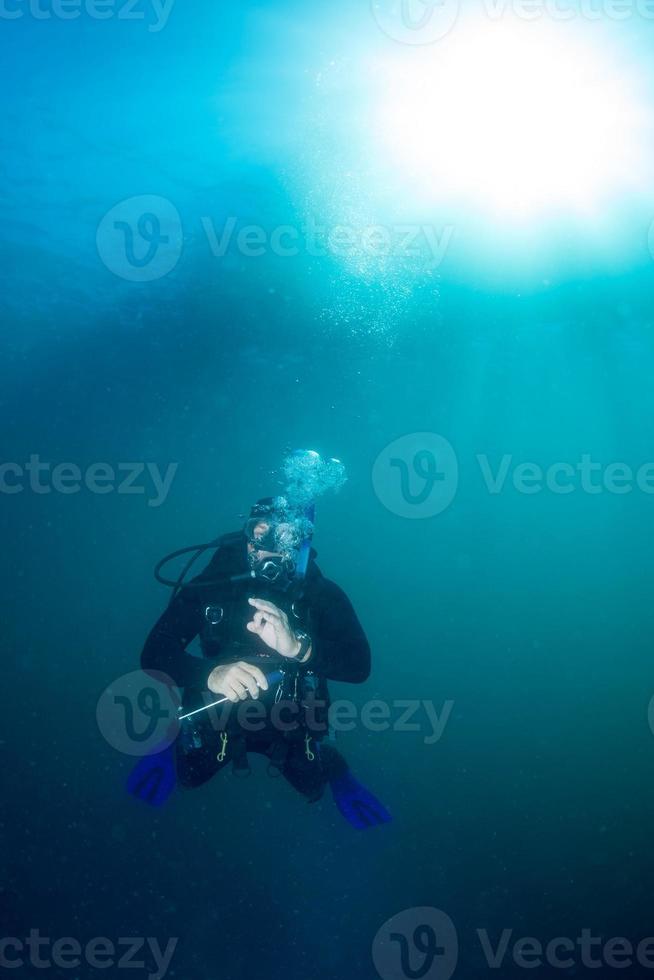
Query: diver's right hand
237	681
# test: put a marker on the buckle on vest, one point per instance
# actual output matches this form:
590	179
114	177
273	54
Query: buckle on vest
214	615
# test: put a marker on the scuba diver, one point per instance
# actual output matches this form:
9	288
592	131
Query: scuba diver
273	631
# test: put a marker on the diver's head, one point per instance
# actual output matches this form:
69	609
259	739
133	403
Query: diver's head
261	544
262	530
260	527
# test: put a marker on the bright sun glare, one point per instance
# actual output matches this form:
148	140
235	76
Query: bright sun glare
514	119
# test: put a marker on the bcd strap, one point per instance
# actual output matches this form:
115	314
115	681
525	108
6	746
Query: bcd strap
278	755
240	764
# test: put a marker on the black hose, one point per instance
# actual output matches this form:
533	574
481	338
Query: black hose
198	550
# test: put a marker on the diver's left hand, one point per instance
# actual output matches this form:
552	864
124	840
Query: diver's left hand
272	626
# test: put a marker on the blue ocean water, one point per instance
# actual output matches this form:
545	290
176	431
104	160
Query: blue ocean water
209	254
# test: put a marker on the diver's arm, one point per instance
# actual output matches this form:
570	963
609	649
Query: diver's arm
165	647
339	648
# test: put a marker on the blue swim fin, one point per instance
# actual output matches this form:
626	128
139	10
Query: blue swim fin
153	778
359	807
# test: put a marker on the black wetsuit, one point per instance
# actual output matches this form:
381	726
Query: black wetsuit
217	612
